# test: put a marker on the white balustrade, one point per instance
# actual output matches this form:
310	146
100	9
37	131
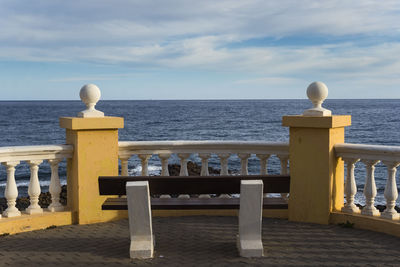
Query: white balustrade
164	168
144	158
124	166
370	189
164	163
204	169
11	192
391	193
284	159
244	158
34	188
263	163
184	170
204	150
223	157
10	157
350	187
55	187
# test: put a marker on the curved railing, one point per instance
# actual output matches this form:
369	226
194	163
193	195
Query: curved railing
11	157
370	155
204	149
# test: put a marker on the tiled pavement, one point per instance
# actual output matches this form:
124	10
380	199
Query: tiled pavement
201	241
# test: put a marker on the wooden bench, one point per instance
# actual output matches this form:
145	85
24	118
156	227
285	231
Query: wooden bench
139	203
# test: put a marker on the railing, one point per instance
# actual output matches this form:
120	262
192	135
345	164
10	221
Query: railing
204	149
370	155
11	157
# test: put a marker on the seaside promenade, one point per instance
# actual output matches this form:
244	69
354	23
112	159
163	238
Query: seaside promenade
201	241
315	227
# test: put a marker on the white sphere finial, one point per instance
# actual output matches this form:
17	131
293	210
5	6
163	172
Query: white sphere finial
90	95
317	92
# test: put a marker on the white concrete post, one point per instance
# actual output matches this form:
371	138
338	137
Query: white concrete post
140	224
124	166
263	163
11	192
350	187
244	157
184	170
370	189
164	163
204	169
34	188
164	168
55	187
223	157
144	158
250	218
391	193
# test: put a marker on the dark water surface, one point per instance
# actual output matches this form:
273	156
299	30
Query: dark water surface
36	123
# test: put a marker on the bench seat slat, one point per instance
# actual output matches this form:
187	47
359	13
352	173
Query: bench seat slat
193	203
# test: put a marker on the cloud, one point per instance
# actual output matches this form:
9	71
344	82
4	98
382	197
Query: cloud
356	39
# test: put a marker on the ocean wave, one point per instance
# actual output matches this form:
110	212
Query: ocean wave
26	183
153	170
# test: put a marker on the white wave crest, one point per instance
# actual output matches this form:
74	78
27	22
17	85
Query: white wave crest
137	171
26	183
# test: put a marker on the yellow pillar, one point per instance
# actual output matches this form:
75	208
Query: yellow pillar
316	175
95	142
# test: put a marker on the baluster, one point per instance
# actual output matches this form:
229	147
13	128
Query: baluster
55	187
284	171
144	158
284	164
391	193
370	189
184	159
263	163
224	169
184	171
11	192
223	157
350	187
34	188
243	163
164	168
164	163
124	166
204	169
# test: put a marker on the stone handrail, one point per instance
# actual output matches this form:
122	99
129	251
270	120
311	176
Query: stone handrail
184	149
244	149
11	157
370	155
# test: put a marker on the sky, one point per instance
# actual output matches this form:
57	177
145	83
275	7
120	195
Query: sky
196	49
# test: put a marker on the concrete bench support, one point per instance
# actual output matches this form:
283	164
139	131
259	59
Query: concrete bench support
140	224
250	218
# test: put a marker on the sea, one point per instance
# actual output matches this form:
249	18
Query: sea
22	123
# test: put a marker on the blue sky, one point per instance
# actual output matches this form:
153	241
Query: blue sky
199	49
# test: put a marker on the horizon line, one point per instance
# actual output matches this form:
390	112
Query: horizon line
190	99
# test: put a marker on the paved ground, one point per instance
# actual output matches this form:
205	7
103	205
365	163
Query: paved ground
201	241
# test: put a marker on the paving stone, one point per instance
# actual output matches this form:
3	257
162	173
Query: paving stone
200	241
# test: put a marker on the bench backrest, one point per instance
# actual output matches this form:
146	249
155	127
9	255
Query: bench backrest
116	185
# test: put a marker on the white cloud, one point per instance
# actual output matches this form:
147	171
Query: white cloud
360	39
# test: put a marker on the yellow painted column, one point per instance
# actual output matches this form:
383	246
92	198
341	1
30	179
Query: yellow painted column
95	142
316	175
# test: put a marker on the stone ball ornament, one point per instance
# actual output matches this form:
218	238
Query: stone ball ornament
90	94
317	92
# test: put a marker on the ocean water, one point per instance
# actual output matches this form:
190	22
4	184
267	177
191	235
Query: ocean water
36	123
